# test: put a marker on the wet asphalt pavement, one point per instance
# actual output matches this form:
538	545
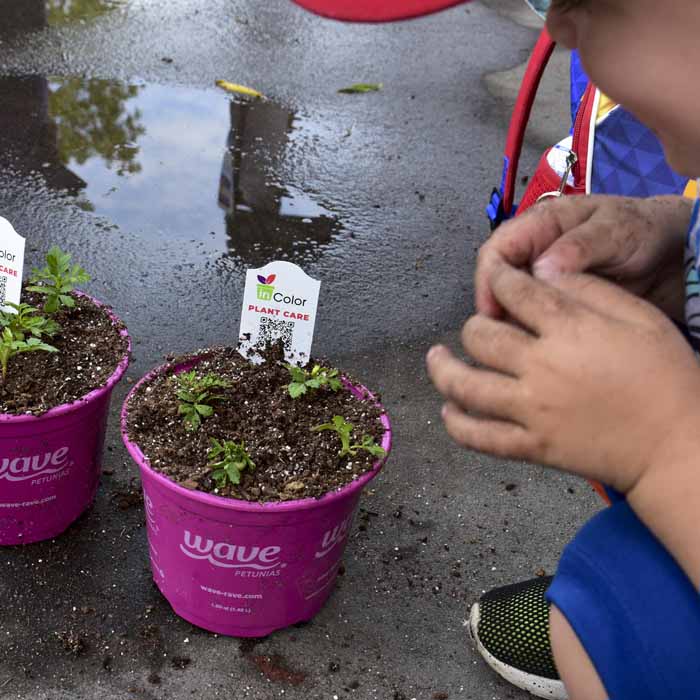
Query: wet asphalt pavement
115	144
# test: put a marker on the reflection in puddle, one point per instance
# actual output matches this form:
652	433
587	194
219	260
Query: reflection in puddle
63	11
263	216
166	162
17	16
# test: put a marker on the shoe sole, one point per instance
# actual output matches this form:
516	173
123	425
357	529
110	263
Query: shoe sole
535	685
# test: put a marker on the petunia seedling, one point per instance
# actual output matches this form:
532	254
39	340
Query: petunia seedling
196	395
57	280
344	431
22	332
26	320
304	380
228	459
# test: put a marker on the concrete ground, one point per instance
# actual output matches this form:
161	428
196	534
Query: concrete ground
394	184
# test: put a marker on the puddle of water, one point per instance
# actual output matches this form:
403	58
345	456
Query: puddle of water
18	16
65	11
167	162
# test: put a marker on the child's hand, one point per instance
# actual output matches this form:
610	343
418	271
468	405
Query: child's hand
592	380
637	243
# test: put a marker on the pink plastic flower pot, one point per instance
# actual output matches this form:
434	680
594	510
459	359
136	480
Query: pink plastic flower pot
50	464
238	568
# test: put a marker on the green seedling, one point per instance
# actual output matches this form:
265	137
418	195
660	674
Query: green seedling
344	430
27	321
228	459
57	280
196	394
10	346
22	332
303	380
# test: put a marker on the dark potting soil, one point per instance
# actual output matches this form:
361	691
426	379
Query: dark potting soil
291	461
89	350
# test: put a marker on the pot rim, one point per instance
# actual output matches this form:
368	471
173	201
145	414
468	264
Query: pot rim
233	504
67	408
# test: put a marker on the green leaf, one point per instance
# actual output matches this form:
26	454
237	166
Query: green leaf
360	88
313	383
51	305
296	389
219	477
297	373
341	425
194	395
54	258
234	459
234	473
192	421
66	300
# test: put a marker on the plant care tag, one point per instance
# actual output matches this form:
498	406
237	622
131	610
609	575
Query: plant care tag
11	265
279	302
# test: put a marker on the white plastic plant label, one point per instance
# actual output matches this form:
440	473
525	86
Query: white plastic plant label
11	265
279	302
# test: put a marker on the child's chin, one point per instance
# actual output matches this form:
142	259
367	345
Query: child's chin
685	162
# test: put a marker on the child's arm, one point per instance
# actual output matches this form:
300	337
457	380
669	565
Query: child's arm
590	379
667	499
637	243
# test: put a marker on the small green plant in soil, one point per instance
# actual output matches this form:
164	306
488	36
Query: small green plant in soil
344	430
22	331
196	395
27	321
303	380
57	280
228	459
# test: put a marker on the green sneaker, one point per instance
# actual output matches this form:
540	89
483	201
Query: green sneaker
510	626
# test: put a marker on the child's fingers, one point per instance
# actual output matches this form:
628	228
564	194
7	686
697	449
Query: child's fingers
496	344
500	438
521	241
470	388
534	304
604	297
591	244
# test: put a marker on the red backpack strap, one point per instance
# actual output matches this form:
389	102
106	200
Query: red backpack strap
584	132
501	206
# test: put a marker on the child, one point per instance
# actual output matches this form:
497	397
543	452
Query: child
582	374
594	380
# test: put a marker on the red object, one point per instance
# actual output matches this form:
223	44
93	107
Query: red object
376	10
544	179
521	115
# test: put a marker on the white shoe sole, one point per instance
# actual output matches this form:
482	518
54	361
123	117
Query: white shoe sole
535	685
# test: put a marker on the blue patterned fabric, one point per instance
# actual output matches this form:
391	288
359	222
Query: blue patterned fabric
627	158
579	82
